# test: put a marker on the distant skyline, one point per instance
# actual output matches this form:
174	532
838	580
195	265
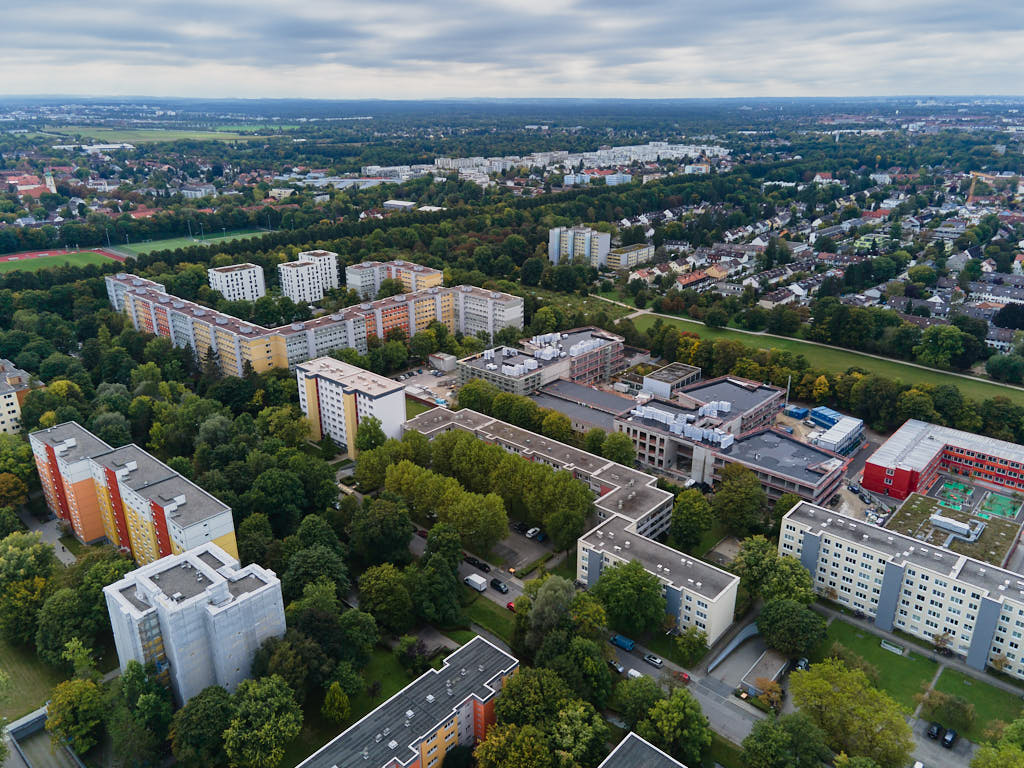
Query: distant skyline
402	49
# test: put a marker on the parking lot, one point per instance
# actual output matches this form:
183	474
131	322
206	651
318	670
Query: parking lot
437	387
735	666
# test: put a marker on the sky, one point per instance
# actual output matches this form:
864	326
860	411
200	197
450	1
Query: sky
400	49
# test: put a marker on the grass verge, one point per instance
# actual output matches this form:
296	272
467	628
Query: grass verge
415	408
723	752
567	568
32	680
493	617
990	703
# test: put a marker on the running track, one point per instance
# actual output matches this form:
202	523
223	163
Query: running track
60	252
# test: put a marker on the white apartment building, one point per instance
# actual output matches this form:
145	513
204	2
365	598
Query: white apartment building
478	310
14	386
308	278
365	278
336	397
197	616
903	583
238	282
578	244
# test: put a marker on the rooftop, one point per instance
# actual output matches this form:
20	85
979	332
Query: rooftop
235	268
350	377
71	441
591	397
634	752
394	730
673	372
783	454
744	395
916	443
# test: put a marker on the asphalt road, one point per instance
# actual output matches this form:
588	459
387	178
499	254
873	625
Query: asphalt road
515	586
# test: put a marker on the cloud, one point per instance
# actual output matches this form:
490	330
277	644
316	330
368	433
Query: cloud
558	48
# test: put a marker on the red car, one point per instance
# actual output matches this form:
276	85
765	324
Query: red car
421	533
511	606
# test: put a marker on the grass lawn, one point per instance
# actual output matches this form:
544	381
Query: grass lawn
495	618
32	680
460	636
990	703
415	407
78	259
574	302
142	135
835	359
73	545
711	537
899	676
171	243
723	752
567	568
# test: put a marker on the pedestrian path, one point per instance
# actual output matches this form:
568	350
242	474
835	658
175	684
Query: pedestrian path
50	532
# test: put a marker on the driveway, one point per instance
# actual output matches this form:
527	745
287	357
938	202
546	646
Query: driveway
736	665
50	533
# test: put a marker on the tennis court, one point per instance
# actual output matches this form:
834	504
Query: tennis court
997	504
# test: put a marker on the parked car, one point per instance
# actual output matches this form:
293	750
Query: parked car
541	536
422	533
475	582
511	606
520	527
943	651
469	559
483	566
634	674
802	664
623	642
854	487
949	739
935	731
653	660
619	669
859	614
532	532
500	585
865	498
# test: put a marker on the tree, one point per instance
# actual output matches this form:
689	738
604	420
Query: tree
790	741
481	520
790	627
13	491
856	717
692	644
254	536
76	712
16	457
197	729
358	634
631	597
531	695
557	426
59	620
9	522
939	345
19	607
549	610
383	593
692	517
636	696
788	580
618	447
336	706
678	726
581	732
951	710
785	503
754	563
739	500
312	564
593	441
821	389
513	746
380	532
369	434
266	718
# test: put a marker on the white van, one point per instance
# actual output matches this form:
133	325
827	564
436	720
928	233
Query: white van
633	674
479	583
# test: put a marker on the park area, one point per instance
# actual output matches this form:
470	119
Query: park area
32	681
990	703
171	243
32	261
143	135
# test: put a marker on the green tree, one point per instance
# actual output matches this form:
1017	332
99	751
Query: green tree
531	695
336	706
13	491
19	608
513	746
785	503
790	741
369	434
197	729
358	634
678	726
76	713
755	563
59	620
790	627
692	517
739	501
593	441
581	732
631	597
254	536
939	345
312	564
16	457
636	696
692	644
550	609
557	426
618	447
788	580
384	594
380	532
266	719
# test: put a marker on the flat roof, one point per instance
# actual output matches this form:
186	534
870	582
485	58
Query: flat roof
235	268
86	444
744	395
635	752
673	372
916	443
198	506
394	730
147	469
350	376
618	537
783	454
576	411
507	356
181	579
591	397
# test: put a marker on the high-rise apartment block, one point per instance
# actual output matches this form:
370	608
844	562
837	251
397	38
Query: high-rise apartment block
440	710
197	616
336	397
365	278
463	309
238	282
567	244
629	256
127	496
14	386
309	277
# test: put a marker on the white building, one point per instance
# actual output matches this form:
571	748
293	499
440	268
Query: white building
477	309
197	616
309	277
238	282
365	277
336	397
14	386
578	244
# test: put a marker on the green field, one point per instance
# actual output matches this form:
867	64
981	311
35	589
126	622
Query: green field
32	680
148	246
990	703
899	676
495	618
414	408
141	135
48	262
835	359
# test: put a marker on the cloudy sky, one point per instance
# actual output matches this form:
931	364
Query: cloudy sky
512	48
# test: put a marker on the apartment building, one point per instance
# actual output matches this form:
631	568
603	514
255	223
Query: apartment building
15	384
905	584
636	752
441	709
309	277
238	282
336	397
568	244
629	256
914	455
588	355
197	616
126	496
365	278
633	511
237	344
754	402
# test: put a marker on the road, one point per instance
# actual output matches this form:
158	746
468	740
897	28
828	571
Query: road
515	586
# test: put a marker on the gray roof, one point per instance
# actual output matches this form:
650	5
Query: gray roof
634	752
86	443
743	395
181	578
198	506
147	470
599	399
393	730
673	372
783	454
576	411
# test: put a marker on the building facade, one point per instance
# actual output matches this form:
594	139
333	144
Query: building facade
418	726
914	455
126	496
236	344
238	282
197	616
309	277
15	384
365	278
903	583
336	397
567	244
629	256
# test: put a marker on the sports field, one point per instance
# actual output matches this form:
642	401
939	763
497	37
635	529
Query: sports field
135	249
835	359
32	263
142	135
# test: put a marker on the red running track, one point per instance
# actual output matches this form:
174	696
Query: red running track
60	252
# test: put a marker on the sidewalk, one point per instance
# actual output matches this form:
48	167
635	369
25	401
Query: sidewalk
50	532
